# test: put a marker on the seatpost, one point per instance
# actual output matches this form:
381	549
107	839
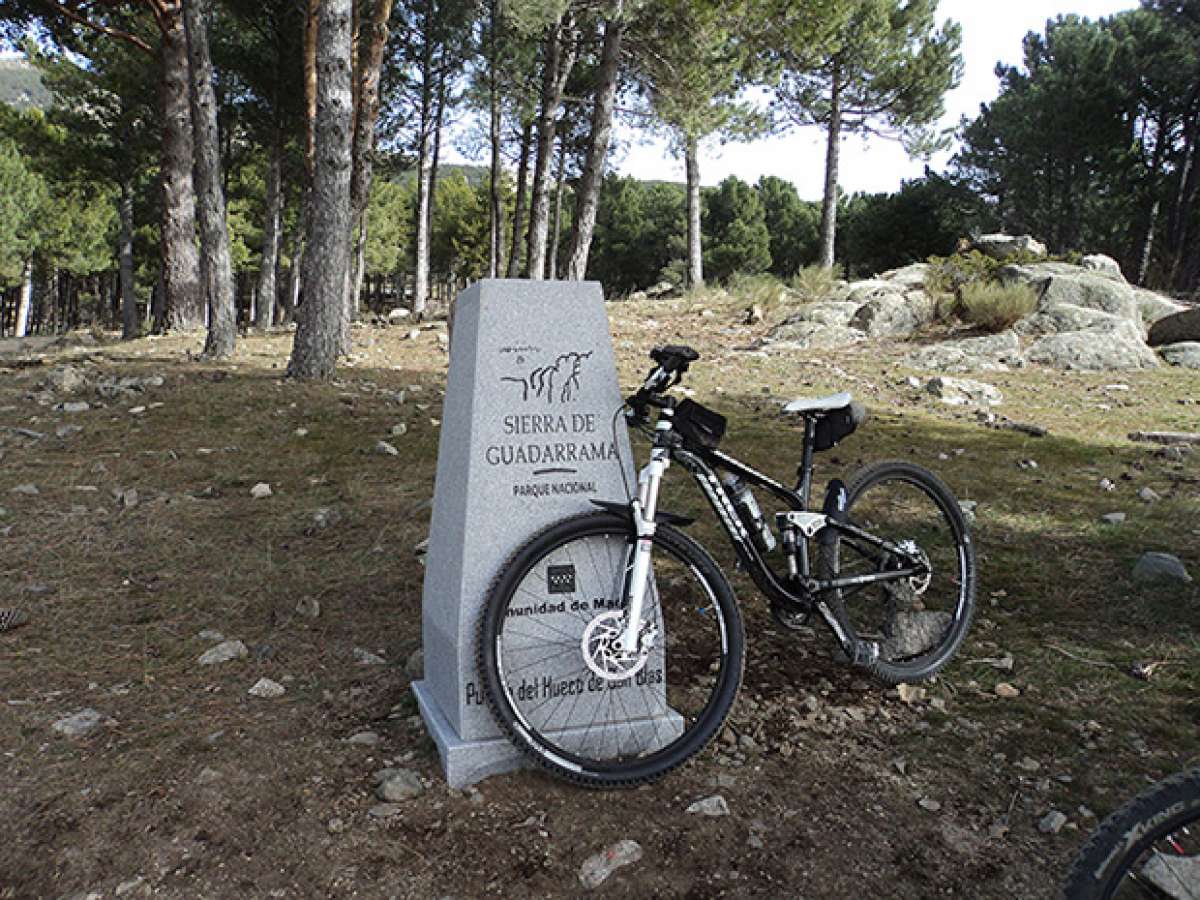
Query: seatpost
804	471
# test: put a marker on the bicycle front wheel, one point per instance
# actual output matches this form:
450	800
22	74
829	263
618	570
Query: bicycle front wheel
1148	848
551	666
918	621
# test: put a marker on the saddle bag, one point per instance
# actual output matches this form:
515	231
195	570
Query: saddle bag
838	424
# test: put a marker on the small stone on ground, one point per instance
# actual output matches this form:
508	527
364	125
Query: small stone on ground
81	723
385	810
404	784
223	652
367	658
710	806
1160	567
415	665
596	869
267	689
1052	822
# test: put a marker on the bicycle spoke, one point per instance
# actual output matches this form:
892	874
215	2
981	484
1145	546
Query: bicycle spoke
548	658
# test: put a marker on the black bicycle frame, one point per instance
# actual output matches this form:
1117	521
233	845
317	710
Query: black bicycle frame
703	464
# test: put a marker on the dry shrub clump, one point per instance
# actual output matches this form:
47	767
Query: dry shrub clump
814	283
994	306
761	290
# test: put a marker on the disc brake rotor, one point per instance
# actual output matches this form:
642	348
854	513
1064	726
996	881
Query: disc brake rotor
602	651
918	583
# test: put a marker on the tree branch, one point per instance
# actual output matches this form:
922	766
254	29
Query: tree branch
80	19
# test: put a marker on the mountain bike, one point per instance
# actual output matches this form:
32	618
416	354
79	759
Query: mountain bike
611	647
1150	847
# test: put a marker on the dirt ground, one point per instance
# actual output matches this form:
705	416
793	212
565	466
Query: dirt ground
143	533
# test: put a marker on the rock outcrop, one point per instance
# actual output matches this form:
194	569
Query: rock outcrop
1087	317
1094	350
1185	354
990	353
1006	246
1175	329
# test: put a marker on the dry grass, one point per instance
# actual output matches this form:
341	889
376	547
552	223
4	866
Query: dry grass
814	283
994	306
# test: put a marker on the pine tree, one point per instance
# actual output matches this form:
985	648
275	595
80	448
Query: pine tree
321	317
736	230
693	58
881	68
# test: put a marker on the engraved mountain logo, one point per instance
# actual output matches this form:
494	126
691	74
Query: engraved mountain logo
555	383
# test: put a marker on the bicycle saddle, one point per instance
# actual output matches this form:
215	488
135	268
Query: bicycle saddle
802	405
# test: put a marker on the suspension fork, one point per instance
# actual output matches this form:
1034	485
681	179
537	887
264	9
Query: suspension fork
644	509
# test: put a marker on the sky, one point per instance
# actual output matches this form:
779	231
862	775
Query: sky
992	32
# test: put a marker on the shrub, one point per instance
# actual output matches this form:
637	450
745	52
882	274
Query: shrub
763	290
995	307
946	306
948	274
814	283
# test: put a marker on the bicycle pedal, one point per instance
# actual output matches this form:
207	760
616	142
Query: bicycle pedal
792	620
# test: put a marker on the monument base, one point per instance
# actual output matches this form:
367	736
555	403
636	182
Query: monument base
466	762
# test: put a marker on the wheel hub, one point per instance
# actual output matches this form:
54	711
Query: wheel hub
602	651
918	583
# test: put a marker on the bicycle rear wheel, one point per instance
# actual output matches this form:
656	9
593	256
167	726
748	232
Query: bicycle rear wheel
554	682
920	621
1150	847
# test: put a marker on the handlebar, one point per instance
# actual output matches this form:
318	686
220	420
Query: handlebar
672	362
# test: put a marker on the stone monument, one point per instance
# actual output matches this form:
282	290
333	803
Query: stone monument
526	440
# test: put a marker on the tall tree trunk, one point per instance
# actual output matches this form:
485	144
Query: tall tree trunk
25	300
1151	186
129	320
184	300
556	223
494	210
358	266
830	197
156	317
518	226
369	63
695	250
267	291
424	189
321	317
1184	202
291	299
559	60
1146	248
311	21
216	269
597	150
439	114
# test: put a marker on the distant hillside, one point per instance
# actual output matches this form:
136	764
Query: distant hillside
21	85
402	169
